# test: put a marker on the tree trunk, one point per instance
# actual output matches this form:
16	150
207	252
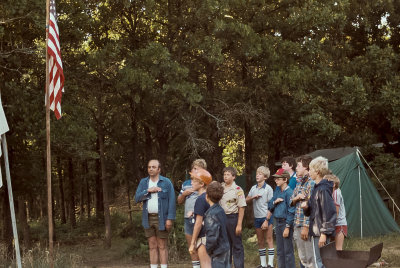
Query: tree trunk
87	189
133	167
248	141
149	143
99	191
163	149
248	155
61	188
216	165
43	206
82	192
107	220
72	218
23	221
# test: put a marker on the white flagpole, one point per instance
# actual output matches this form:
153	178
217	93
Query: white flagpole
11	199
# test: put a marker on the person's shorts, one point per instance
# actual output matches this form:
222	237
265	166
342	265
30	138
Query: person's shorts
200	241
154	228
341	228
259	221
188	226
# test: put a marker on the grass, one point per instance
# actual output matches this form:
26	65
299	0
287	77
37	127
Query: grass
390	252
391	247
83	246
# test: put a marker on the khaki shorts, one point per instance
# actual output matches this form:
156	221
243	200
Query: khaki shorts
154	228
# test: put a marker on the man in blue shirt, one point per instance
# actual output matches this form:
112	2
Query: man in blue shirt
158	197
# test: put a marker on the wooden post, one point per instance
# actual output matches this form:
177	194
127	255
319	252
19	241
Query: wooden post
11	200
48	152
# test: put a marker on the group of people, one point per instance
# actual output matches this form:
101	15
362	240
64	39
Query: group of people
306	208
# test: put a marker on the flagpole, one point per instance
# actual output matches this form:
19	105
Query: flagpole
11	200
48	152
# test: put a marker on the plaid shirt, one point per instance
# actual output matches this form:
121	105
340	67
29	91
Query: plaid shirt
304	186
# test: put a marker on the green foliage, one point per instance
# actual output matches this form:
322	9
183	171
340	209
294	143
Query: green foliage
233	155
238	83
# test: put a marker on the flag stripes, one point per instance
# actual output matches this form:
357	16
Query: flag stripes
56	74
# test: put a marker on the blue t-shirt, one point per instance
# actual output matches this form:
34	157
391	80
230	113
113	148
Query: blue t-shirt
200	208
293	181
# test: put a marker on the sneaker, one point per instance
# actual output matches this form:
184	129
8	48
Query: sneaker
259	266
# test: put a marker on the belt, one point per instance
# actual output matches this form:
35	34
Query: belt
153	214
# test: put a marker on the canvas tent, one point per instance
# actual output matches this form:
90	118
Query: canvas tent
366	213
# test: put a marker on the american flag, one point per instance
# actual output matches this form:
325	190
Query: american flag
56	74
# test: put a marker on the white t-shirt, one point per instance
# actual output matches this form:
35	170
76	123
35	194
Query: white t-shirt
260	205
152	203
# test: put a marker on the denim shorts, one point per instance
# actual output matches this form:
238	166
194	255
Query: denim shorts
259	221
189	224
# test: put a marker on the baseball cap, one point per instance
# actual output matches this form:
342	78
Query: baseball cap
283	174
202	175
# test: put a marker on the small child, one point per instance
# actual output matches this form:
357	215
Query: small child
279	205
260	194
233	202
341	223
217	244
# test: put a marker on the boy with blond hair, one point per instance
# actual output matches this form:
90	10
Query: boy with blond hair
260	194
320	208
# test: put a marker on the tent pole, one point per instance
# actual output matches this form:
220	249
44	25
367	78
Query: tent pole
361	212
11	200
394	203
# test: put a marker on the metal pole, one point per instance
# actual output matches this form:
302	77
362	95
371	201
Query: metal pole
370	168
11	200
361	212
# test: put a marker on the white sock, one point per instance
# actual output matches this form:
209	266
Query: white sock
271	253
263	258
196	264
164	265
153	265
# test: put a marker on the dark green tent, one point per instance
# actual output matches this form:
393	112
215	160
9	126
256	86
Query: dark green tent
366	213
